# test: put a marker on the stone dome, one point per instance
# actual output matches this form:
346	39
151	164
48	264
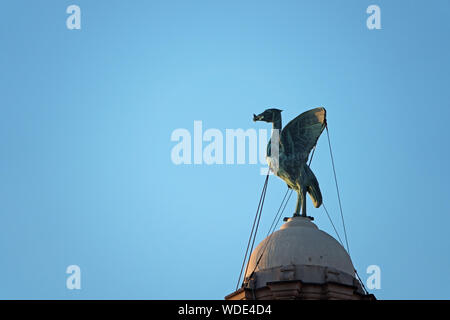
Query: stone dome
299	251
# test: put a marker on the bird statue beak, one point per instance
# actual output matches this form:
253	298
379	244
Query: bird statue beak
257	118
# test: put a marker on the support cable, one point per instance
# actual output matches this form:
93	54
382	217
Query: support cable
340	208
360	281
268	239
256	230
255	221
329	218
337	189
278	211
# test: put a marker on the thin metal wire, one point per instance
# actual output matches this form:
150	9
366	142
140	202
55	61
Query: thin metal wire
253	227
257	226
340	208
337	189
278	211
268	239
329	218
360	281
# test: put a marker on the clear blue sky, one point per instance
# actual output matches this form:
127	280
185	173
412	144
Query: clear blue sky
86	176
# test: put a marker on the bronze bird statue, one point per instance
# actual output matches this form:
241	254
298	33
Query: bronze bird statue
295	142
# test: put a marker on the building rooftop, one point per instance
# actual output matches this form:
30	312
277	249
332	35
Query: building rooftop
299	251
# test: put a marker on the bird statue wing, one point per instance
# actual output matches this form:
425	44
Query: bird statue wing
300	135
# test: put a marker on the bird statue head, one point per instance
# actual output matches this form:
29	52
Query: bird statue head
268	116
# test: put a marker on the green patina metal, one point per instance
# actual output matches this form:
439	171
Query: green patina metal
295	143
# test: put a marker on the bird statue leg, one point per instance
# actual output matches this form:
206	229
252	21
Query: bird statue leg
303	194
301	203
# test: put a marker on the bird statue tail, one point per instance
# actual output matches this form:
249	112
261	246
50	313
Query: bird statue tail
313	188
